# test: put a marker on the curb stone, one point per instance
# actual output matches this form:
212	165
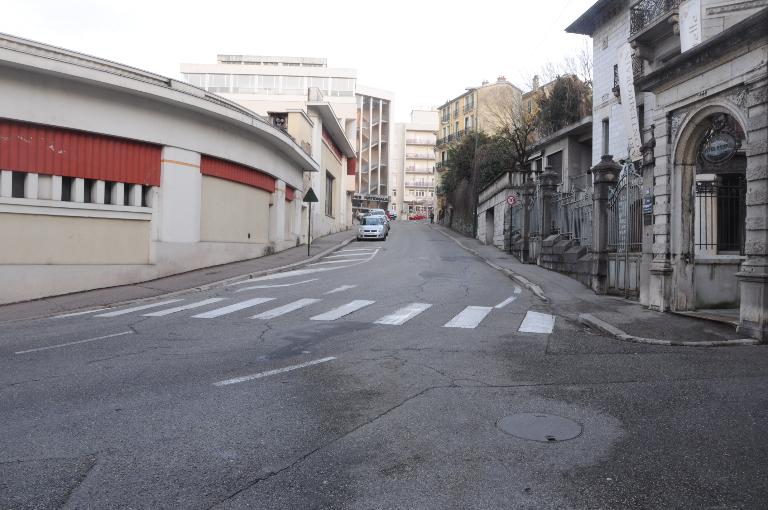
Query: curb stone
207	286
600	325
525	282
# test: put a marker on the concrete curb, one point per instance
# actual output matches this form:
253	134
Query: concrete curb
207	286
600	325
525	282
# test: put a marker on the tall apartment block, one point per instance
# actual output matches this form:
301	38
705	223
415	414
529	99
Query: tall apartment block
415	191
374	128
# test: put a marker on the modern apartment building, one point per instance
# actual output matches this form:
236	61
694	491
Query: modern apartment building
374	132
277	85
415	192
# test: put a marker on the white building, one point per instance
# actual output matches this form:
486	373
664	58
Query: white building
415	162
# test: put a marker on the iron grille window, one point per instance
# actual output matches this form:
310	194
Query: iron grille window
720	214
329	194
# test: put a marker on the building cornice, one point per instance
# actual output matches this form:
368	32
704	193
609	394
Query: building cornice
602	10
706	54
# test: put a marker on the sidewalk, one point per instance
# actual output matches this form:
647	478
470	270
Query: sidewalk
621	318
204	277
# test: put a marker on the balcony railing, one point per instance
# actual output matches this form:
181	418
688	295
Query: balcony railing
420	141
468	108
417	184
419	169
645	12
417	155
445	140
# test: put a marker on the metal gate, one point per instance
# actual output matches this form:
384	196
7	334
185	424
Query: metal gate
625	233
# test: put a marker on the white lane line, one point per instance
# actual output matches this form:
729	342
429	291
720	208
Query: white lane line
469	317
535	322
276	286
137	308
224	310
343	310
272	372
282	310
169	311
341	289
78	313
506	302
404	314
75	343
345	255
335	262
359	249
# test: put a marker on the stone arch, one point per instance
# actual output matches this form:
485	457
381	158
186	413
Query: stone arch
683	214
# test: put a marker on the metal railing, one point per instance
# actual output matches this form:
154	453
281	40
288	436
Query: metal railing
417	155
720	215
417	184
420	141
419	169
645	12
572	216
625	233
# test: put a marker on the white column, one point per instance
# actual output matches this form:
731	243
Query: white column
180	196
277	211
118	193
56	187
99	189
44	187
6	183
134	195
78	190
30	186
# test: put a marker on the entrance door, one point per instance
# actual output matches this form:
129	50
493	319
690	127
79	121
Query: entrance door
489	226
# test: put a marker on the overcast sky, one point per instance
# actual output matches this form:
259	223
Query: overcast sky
424	51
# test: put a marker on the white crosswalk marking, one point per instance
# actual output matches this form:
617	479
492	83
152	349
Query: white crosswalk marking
224	310
346	255
137	308
282	310
342	261
535	322
404	314
359	249
469	317
343	310
169	311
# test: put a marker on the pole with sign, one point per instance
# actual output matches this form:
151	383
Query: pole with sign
309	197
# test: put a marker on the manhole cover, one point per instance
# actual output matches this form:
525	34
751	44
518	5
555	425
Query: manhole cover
546	428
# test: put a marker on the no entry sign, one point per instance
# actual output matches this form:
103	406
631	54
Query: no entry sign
511	200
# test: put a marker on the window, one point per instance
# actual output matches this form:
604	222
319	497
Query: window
219	82
456	127
267	84
555	160
243	84
606	137
17	184
343	87
467	123
89	190
321	83
198	80
456	109
66	188
293	85
329	194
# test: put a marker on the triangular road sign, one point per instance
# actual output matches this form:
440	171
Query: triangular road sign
310	196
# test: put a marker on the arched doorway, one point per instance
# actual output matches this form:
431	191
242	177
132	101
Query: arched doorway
708	212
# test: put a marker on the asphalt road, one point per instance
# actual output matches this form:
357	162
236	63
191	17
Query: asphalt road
377	378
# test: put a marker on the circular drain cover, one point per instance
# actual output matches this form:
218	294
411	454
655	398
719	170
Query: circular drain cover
546	428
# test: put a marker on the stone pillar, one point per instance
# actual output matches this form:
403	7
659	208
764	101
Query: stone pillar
31	186
549	180
117	197
753	276
529	190
180	198
134	195
78	190
606	174
99	189
56	187
277	213
6	183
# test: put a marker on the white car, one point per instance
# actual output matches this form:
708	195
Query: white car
372	227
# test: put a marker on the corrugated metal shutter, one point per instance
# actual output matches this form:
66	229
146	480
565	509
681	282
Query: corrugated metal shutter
290	193
35	148
236	172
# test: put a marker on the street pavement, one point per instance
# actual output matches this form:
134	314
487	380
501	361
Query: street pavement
382	376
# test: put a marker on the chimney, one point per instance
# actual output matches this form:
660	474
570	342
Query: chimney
485	82
501	79
536	82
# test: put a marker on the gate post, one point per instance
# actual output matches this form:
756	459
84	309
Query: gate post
529	190
605	173
549	181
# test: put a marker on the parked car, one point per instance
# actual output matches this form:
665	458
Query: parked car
392	215
372	227
379	213
416	217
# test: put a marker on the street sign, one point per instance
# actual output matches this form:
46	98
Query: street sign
511	200
310	196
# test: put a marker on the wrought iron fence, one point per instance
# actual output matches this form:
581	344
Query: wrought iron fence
625	233
572	216
535	216
720	215
516	221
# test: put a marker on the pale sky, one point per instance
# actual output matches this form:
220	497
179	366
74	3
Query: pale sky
425	52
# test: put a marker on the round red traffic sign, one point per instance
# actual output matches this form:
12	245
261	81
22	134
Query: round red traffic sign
511	200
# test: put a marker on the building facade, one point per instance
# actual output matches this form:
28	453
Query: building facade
695	101
416	193
110	175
